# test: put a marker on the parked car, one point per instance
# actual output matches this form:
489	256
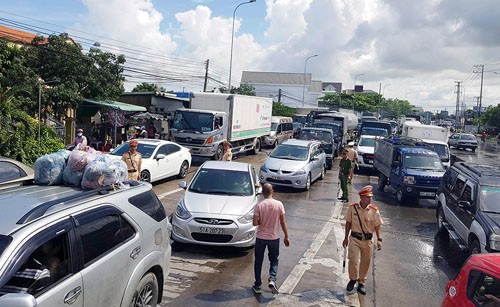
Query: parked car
60	246
294	163
281	130
463	140
366	151
217	207
14	173
323	135
160	159
477	283
468	207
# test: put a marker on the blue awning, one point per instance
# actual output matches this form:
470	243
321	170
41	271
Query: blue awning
117	105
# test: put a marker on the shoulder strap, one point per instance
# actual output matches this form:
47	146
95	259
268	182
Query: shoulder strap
359	219
131	160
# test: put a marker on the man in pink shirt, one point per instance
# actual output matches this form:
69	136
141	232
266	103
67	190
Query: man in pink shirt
268	215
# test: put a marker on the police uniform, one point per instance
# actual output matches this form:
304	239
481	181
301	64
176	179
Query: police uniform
361	245
345	166
133	161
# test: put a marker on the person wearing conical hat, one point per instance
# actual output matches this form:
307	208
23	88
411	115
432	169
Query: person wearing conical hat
362	220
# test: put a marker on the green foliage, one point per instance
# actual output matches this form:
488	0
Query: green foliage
148	87
244	89
19	133
491	117
280	109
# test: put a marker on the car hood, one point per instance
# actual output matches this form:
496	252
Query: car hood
284	165
424	173
493	219
366	149
217	205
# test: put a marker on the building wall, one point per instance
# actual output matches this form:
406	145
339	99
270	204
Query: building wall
291	95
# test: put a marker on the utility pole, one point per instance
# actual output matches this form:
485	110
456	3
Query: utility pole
279	95
481	89
206	77
457	107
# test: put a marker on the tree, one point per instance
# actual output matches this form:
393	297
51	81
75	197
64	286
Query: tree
244	89
491	117
280	109
148	87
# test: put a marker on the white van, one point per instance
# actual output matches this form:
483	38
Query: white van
281	130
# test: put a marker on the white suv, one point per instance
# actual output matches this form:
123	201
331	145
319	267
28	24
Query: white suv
104	247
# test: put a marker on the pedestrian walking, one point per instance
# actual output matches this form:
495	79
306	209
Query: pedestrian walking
352	155
133	159
344	171
268	215
362	220
228	154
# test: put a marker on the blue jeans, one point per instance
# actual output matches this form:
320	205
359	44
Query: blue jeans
273	247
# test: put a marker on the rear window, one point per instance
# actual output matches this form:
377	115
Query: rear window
4	242
148	203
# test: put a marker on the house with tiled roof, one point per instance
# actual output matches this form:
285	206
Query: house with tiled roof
291	89
19	37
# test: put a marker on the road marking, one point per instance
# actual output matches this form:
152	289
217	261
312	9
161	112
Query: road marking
163	195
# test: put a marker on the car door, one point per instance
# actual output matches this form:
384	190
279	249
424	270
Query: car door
453	140
465	214
453	217
173	158
110	249
396	171
44	267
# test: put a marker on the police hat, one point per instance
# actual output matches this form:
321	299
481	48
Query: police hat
366	191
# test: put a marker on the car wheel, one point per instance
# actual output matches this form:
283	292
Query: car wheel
145	176
184	170
400	195
473	149
219	153
440	219
256	147
275	144
381	182
308	182
474	247
146	293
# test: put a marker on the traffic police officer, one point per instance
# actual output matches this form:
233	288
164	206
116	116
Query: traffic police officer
362	220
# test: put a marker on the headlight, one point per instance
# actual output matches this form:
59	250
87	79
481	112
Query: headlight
247	218
495	242
181	211
300	172
409	180
263	168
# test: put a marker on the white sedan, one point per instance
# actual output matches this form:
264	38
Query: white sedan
160	159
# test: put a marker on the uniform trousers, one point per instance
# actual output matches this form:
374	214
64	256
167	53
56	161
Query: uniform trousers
360	256
343	186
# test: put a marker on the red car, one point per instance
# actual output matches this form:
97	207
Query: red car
477	283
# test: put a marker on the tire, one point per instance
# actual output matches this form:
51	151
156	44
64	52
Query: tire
275	144
474	247
183	170
381	182
146	176
256	148
440	220
146	292
400	195
308	182
473	149
219	153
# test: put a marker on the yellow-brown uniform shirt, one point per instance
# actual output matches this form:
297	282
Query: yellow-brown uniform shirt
352	155
133	162
370	217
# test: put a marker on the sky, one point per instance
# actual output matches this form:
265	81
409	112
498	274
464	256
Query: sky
413	50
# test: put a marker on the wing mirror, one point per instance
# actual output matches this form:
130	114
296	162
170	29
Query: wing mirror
464	204
183	185
160	156
18	299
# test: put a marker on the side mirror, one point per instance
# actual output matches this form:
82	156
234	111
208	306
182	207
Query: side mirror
160	156
183	185
258	189
18	300
464	204
314	158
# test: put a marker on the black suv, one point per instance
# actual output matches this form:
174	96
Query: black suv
468	206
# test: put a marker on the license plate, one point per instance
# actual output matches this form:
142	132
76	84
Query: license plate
213	231
427	194
276	178
370	161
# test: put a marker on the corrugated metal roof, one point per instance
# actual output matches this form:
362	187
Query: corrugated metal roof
275	77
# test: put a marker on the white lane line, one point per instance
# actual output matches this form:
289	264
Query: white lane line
163	195
298	271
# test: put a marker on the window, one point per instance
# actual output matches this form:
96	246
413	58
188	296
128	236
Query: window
9	171
148	203
449	178
467	195
102	234
486	291
171	148
458	187
47	265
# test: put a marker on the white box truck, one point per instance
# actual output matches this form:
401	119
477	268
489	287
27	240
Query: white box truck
214	118
434	136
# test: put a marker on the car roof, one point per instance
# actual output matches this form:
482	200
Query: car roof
295	142
367	136
154	141
485	174
229	165
490	261
318	129
417	150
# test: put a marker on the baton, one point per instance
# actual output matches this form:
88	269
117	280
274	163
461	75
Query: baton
343	262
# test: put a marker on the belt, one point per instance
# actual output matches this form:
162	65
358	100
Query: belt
132	171
359	235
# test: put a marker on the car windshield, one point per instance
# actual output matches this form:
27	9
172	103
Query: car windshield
146	150
368	142
193	121
222	182
374	131
423	162
290	152
4	242
334	128
489	197
315	135
469	137
441	149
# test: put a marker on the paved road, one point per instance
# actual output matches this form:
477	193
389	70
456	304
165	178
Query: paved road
411	270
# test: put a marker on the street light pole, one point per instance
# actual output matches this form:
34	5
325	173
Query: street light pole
304	87
354	91
232	41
